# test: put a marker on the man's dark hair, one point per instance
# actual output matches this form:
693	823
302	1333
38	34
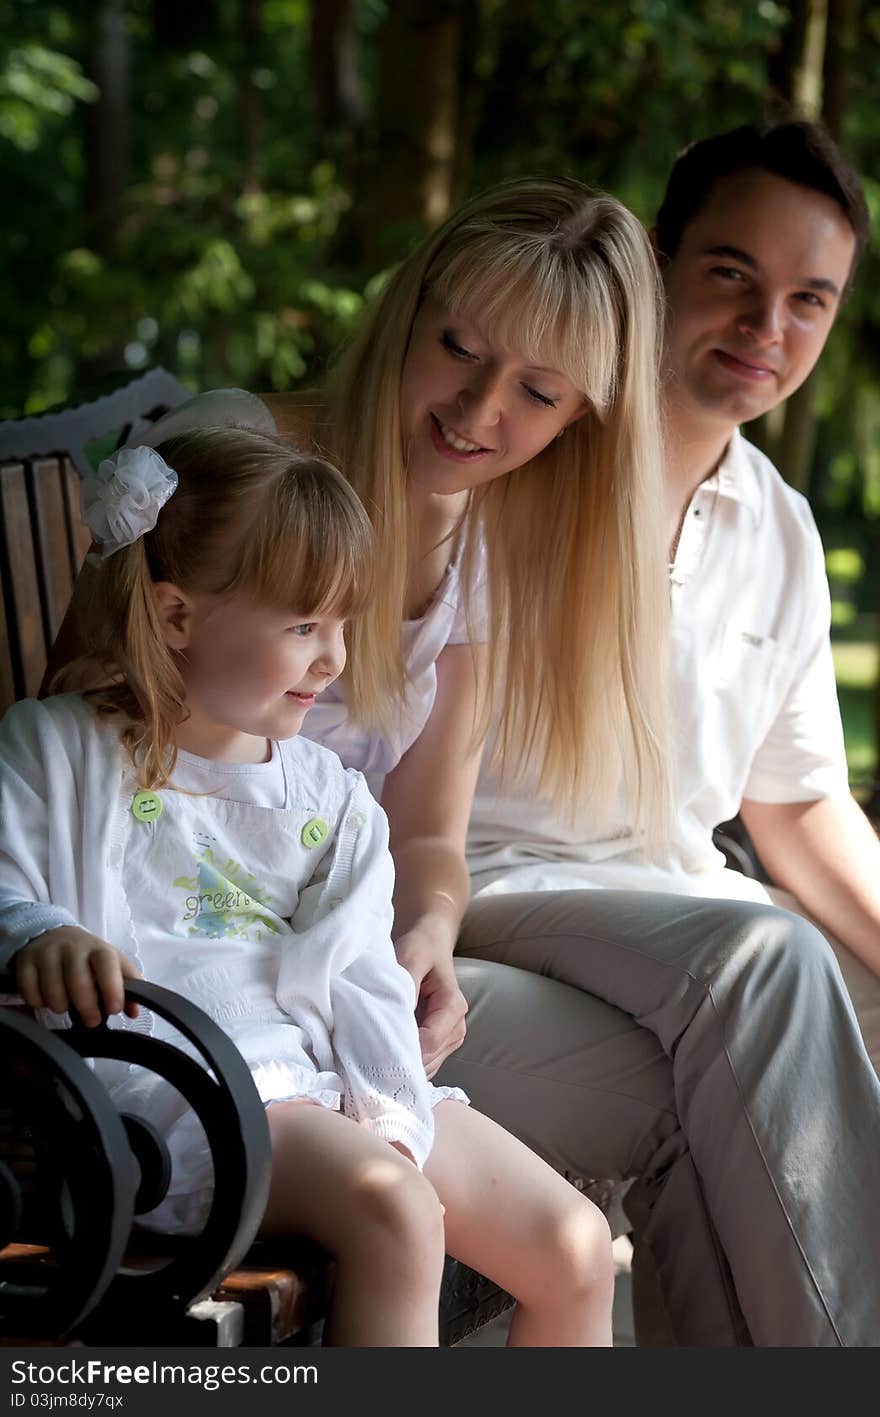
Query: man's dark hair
800	151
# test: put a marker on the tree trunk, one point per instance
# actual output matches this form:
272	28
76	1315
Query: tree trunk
799	78
107	151
782	64
108	126
808	75
249	30
840	50
406	183
468	98
339	98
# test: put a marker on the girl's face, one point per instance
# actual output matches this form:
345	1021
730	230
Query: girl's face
472	410
251	673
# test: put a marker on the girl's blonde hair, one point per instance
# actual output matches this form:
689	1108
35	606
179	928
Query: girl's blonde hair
574	538
252	517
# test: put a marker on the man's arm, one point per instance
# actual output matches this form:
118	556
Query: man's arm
827	854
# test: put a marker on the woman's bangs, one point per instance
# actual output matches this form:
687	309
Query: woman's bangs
536	300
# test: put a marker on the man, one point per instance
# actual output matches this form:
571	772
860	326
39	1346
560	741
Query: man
657	1029
757	238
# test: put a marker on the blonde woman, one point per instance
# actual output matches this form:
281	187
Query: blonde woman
498	416
499	411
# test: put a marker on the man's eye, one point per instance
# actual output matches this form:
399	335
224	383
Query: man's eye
728	272
809	297
453	347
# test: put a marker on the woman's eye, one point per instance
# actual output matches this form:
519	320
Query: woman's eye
453	347
539	397
302	630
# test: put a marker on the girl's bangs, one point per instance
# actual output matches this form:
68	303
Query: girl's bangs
310	555
538	300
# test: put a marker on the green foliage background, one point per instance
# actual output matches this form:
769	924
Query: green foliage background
236	255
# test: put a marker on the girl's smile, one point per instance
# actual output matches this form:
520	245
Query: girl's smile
251	672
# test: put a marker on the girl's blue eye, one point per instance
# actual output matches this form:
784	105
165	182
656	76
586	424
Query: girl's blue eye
302	630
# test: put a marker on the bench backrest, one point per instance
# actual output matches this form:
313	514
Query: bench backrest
42	545
42	541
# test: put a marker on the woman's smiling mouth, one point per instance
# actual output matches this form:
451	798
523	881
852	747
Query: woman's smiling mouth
452	445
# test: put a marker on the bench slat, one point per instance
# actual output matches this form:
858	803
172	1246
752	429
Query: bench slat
27	638
80	540
55	568
7	677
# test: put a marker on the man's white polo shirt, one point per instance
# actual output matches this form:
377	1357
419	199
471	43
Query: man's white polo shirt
754	703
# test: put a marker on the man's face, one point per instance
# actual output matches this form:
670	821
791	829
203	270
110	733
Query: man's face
752	293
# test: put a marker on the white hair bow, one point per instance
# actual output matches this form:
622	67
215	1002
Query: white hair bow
123	499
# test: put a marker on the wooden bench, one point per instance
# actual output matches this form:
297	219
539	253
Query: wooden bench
42	542
278	1293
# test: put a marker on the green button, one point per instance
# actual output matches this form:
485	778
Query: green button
146	806
314	832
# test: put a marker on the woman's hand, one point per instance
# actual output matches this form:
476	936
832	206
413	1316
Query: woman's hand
69	967
441	1005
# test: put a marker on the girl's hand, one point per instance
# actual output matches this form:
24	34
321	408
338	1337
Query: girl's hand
69	967
441	1005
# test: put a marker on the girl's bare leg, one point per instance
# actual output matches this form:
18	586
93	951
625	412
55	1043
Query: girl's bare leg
513	1218
373	1210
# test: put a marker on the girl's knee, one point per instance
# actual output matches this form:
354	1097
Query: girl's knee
575	1249
393	1204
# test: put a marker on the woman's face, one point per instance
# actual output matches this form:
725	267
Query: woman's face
472	410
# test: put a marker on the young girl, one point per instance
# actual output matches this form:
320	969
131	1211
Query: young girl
170	820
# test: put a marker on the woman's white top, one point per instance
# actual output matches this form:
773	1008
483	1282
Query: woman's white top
422	642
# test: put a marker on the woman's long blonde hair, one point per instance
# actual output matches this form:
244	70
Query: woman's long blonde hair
576	569
252	517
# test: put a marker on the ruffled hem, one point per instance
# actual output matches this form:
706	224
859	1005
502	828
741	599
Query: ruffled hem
448	1094
280	1081
185	1208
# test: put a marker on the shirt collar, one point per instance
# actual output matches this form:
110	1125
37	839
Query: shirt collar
736	476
